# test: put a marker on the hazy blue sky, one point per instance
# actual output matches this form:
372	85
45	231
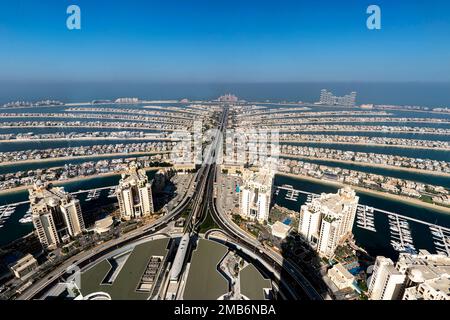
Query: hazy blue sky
225	41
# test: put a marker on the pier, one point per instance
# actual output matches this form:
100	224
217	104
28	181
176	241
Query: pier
402	237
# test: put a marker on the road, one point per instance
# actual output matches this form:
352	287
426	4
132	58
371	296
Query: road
86	257
201	203
289	270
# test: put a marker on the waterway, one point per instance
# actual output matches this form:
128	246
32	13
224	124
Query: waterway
376	243
12	168
12	229
42	145
439	155
401	174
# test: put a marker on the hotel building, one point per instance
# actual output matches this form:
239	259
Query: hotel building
327	98
386	282
256	194
56	214
134	194
328	220
24	267
421	276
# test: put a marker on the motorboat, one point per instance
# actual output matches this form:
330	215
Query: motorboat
26	218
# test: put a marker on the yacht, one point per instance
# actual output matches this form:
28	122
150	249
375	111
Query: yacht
435	233
397	246
440	244
10	210
410	249
26	218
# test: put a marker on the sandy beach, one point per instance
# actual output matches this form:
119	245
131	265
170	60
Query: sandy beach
374	165
411	201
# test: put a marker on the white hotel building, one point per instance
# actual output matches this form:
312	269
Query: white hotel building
256	194
327	220
56	215
421	276
386	282
134	194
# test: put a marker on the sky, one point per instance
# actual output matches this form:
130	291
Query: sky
224	41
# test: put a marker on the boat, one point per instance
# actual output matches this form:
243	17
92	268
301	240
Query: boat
435	233
10	210
409	248
397	246
28	218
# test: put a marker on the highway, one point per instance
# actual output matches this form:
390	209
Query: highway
289	271
82	259
201	203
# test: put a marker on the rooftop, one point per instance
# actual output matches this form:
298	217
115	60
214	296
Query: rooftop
253	283
204	281
125	284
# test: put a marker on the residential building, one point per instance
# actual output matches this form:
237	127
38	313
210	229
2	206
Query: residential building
386	283
280	229
134	194
433	289
256	194
56	214
328	220
426	275
421	276
24	267
340	276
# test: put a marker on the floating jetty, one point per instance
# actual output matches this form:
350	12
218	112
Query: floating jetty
401	236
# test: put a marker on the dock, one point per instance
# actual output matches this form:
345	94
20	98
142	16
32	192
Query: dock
402	238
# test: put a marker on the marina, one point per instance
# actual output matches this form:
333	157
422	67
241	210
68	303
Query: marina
5	213
365	218
398	226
